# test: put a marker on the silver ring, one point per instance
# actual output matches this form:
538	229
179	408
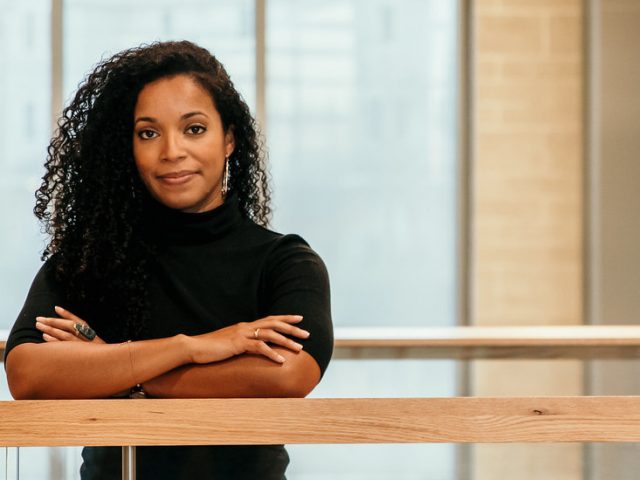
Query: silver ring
85	331
256	332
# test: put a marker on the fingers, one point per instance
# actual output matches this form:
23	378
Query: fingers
271	336
282	324
52	332
283	318
66	328
264	349
269	331
59	323
67	314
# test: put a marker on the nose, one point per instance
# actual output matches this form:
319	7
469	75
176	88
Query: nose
172	148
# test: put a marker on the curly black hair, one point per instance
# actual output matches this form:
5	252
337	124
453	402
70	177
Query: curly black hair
91	199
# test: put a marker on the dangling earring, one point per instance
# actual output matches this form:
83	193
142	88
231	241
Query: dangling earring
225	178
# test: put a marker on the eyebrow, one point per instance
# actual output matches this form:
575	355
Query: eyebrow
183	117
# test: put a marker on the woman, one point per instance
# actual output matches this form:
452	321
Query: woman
160	277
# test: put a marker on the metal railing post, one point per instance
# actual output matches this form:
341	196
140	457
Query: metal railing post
129	463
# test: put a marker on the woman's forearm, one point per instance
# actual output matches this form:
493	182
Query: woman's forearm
242	376
82	370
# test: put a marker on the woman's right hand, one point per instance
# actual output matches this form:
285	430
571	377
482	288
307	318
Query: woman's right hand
65	328
247	337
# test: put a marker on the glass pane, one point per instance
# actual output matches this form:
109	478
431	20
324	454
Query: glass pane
388	379
371	462
95	29
43	463
25	63
361	108
9	463
387	461
4	387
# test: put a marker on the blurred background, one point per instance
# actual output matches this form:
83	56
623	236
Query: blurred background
454	162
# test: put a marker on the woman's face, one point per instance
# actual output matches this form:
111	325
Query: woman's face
179	144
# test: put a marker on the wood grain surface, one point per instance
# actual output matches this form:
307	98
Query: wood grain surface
315	421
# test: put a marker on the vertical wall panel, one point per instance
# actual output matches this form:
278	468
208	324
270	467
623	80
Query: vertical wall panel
528	206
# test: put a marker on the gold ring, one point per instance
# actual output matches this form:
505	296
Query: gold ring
256	332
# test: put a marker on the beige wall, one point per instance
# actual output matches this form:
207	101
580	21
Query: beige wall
527	231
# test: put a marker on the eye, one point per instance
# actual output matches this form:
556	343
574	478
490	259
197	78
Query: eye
196	129
147	134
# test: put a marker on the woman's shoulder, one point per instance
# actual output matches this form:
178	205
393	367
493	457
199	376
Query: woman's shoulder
283	250
291	253
274	240
46	277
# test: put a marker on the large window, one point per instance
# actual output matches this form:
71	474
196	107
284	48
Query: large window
360	123
25	118
25	114
95	29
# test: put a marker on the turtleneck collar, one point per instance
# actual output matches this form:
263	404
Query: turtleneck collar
169	226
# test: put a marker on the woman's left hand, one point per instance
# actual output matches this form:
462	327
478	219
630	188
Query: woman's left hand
68	328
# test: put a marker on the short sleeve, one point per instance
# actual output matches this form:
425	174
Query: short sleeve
297	283
43	296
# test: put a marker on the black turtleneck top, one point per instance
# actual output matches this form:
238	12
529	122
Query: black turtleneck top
212	269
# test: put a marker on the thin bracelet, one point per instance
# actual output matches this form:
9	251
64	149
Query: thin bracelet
131	362
137	391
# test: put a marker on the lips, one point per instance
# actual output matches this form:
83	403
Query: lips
177	178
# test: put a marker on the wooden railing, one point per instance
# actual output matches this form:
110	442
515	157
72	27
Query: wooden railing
466	343
321	420
151	422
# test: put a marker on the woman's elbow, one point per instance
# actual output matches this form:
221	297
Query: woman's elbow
301	390
21	384
21	392
300	377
